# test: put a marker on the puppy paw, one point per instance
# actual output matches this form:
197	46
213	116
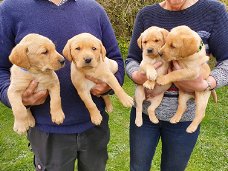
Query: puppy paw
109	108
138	121
152	116
127	101
20	127
149	84
154	119
96	119
191	128
151	75
162	80
30	120
58	117
175	119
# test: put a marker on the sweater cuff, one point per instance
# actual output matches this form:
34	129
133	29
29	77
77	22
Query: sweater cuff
131	67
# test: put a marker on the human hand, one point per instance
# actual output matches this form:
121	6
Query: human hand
199	84
100	87
140	77
31	97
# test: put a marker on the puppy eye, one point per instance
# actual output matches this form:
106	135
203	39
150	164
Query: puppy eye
78	48
44	52
156	40
93	48
145	42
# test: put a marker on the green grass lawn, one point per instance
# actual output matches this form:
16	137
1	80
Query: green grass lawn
210	153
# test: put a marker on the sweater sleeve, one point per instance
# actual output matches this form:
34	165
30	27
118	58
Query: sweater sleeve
218	44
111	46
134	53
6	45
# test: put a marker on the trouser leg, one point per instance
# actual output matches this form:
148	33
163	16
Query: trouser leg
177	145
53	152
143	143
92	147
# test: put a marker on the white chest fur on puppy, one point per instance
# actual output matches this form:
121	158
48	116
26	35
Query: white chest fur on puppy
88	59
34	58
150	41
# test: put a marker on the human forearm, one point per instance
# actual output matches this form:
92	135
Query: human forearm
133	72
111	45
217	78
3	94
220	74
6	45
131	66
218	44
5	81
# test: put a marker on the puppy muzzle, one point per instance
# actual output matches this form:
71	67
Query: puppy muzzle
88	60
62	61
150	50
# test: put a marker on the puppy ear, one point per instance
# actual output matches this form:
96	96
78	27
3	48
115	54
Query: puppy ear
19	56
139	41
190	47
67	51
164	34
103	52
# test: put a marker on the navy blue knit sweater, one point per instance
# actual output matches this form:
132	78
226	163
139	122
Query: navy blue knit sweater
209	19
59	23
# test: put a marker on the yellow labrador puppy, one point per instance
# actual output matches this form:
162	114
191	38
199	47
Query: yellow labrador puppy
150	41
88	59
186	47
34	58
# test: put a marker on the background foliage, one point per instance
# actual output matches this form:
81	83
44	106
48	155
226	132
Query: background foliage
122	13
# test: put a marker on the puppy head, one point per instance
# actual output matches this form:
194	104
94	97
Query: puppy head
85	50
151	41
36	52
181	43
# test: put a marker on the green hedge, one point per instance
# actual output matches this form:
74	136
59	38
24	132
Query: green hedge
122	14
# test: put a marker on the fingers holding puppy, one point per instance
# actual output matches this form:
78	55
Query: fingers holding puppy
198	84
31	97
100	87
140	77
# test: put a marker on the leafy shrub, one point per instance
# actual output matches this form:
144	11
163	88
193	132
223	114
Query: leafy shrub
122	13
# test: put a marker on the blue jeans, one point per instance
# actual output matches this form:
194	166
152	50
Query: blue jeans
177	144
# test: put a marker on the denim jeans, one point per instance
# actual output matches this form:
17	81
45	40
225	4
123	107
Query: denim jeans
177	144
58	152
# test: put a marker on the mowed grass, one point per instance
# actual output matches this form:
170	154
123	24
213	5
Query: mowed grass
210	153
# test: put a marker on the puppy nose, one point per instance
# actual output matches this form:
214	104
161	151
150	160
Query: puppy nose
88	60
149	50
62	61
160	53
